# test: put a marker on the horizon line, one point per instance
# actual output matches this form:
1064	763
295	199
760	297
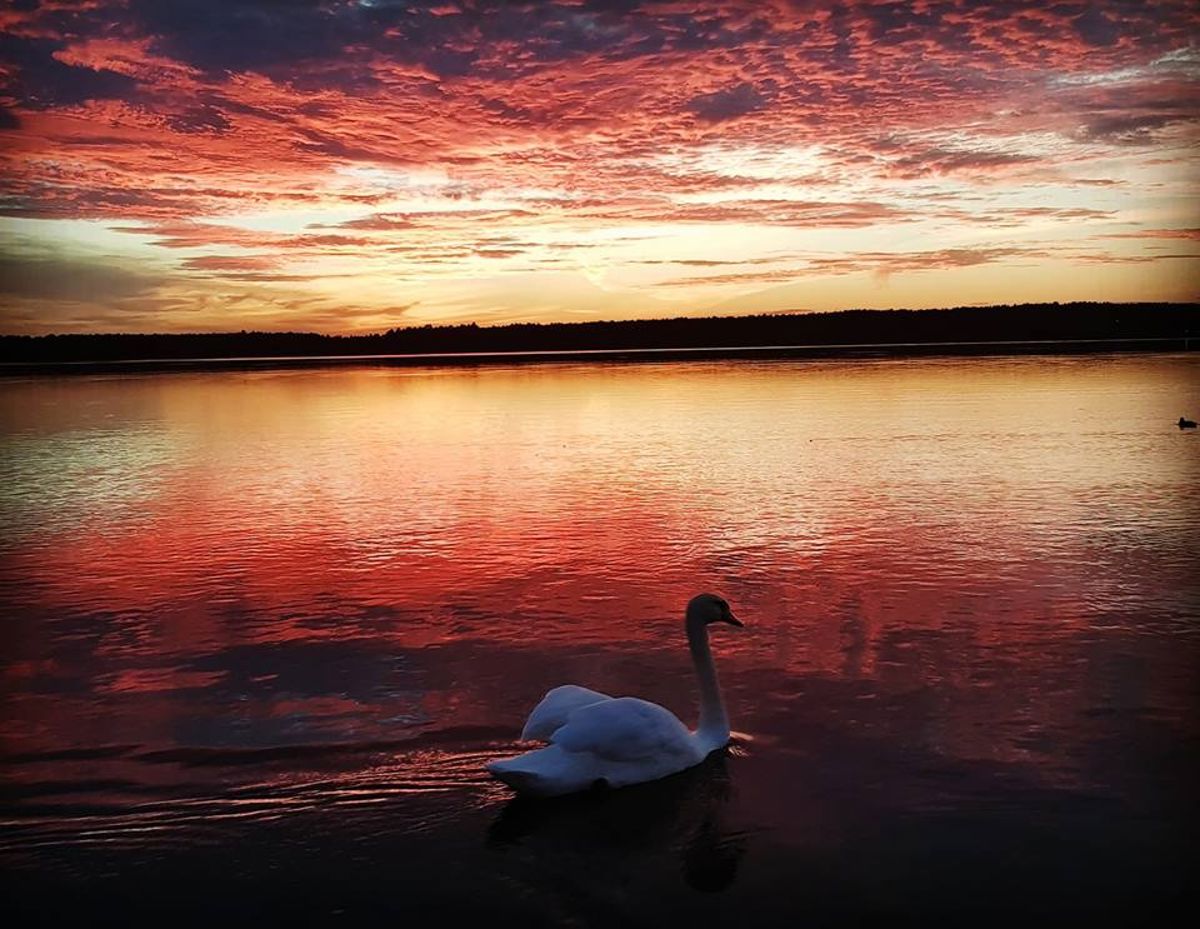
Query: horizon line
1059	304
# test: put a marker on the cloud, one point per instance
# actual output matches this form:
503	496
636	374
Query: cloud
40	80
939	161
401	138
72	279
729	103
1127	128
1192	233
877	263
199	119
1096	29
228	263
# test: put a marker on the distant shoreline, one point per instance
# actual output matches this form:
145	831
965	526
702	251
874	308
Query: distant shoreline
848	351
1006	330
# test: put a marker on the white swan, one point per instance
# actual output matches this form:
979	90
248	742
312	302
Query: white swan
597	739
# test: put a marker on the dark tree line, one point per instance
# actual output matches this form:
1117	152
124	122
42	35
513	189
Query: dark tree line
1020	323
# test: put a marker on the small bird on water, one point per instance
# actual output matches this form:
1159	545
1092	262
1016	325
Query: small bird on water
1186	423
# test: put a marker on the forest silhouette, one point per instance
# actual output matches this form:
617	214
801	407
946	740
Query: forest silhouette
961	330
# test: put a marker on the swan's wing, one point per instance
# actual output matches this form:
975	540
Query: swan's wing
556	706
625	729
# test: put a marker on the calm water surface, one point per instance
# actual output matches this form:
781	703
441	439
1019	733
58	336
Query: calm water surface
262	630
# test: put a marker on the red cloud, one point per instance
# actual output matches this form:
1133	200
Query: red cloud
551	117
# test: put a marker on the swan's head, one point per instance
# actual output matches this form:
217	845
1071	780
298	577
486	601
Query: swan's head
709	608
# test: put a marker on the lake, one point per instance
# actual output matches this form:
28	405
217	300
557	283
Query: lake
263	629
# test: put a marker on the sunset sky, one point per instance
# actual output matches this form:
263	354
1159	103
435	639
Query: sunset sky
354	165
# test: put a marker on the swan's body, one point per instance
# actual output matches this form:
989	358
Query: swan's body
594	738
1186	423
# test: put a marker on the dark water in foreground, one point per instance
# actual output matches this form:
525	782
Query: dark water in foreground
262	630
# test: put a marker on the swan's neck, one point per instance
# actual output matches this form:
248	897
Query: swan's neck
713	731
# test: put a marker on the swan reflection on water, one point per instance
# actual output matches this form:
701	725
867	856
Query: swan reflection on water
604	835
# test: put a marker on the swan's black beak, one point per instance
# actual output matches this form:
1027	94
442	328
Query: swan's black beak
733	620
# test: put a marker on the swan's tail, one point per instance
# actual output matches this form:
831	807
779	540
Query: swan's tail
522	780
546	772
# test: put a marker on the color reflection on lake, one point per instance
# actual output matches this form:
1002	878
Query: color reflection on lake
272	624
